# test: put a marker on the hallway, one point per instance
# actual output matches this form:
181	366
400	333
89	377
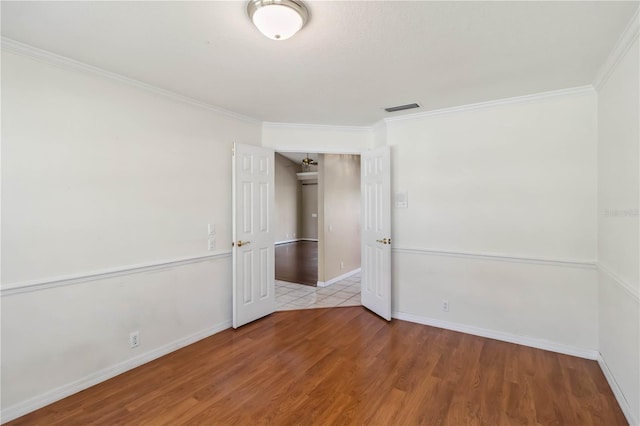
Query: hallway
297	262
290	296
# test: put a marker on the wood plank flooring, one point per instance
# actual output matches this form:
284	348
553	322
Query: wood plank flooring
297	262
345	366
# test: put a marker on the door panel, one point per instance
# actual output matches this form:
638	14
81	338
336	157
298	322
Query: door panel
253	248
376	231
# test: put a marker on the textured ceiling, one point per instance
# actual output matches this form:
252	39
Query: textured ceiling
352	59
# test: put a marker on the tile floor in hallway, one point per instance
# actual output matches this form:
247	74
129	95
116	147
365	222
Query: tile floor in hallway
291	296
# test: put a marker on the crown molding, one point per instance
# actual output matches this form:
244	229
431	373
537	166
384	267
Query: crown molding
480	105
622	46
23	49
379	126
322	127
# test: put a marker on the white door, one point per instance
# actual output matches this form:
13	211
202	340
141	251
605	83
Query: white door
376	231
253	244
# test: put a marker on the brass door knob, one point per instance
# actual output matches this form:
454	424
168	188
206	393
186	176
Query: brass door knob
385	241
243	243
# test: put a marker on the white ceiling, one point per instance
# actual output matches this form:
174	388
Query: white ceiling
352	59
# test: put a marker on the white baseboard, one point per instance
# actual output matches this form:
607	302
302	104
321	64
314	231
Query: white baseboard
32	404
499	335
295	241
617	392
340	278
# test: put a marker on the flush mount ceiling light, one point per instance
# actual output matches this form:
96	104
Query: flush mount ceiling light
278	19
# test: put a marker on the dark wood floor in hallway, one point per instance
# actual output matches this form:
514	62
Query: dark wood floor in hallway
346	366
297	262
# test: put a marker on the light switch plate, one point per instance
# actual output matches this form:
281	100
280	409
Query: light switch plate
401	200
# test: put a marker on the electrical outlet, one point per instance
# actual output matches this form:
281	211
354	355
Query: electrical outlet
211	229
211	244
134	339
445	305
341	265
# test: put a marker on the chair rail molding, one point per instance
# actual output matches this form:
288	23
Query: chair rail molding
573	263
47	283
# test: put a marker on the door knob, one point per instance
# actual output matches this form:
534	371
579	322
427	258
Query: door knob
243	243
385	241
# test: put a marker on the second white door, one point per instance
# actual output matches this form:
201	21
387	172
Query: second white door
253	243
376	231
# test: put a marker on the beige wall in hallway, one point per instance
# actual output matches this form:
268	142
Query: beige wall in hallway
288	200
309	209
339	203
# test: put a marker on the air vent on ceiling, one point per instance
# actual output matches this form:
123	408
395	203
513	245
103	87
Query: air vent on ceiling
401	107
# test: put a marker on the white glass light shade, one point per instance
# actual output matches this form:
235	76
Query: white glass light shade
277	22
278	19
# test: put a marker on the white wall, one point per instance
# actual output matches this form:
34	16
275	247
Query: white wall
287	200
380	134
321	139
494	183
618	230
100	176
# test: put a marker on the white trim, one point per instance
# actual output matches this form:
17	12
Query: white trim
622	46
488	104
500	335
617	392
320	127
589	264
633	292
43	284
350	151
379	125
315	240
339	278
287	241
92	379
63	61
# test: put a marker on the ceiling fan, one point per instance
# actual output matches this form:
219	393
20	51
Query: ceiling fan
308	161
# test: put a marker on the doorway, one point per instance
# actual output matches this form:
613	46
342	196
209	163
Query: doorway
253	232
317	214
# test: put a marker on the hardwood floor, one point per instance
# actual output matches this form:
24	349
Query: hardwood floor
297	262
345	366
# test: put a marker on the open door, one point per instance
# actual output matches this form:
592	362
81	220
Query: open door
376	231
253	244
